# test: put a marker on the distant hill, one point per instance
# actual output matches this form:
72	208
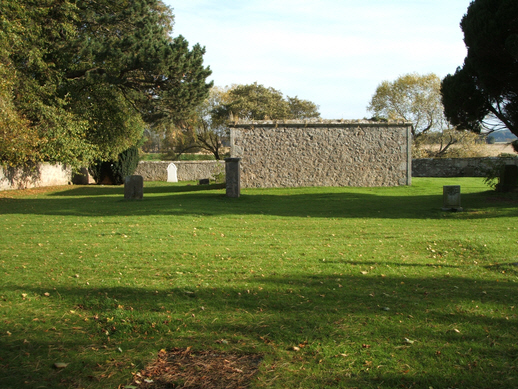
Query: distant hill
503	136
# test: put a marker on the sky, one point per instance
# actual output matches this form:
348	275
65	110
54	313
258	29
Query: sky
332	52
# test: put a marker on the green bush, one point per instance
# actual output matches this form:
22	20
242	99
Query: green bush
114	172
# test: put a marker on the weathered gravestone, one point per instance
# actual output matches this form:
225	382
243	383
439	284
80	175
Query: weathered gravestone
80	177
233	177
133	188
204	181
508	179
451	198
172	171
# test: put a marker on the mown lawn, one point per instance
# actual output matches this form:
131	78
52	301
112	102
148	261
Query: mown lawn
332	287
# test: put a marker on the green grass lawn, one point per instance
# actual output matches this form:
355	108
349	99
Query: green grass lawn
375	287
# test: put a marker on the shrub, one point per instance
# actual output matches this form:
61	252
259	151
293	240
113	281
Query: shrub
494	170
114	172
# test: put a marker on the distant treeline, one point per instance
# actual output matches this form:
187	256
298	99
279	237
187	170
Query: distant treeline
501	136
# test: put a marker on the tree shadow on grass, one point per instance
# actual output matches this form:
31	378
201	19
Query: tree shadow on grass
323	203
456	343
149	188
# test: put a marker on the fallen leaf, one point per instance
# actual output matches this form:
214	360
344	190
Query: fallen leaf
60	365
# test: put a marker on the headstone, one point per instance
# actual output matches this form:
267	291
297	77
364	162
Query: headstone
172	173
204	181
233	177
508	179
451	198
133	188
81	177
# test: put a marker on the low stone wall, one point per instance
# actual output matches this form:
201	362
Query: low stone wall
456	167
187	170
42	174
46	174
322	153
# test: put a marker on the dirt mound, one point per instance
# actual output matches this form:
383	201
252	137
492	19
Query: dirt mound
183	368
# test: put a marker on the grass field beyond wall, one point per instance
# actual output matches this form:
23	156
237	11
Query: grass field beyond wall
375	287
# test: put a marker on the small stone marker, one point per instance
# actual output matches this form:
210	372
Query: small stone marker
81	177
451	198
133	188
172	173
204	181
233	177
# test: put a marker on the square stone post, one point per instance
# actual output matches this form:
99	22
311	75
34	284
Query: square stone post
508	179
81	177
233	177
451	198
133	187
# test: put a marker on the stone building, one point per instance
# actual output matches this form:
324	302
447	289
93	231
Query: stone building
322	153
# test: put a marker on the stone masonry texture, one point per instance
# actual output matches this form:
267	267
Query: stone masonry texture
456	167
322	153
41	174
187	170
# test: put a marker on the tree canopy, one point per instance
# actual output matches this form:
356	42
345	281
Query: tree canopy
80	80
412	97
207	128
257	102
483	93
204	130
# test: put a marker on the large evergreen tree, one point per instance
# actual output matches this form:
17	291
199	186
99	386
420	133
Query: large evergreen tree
484	92
85	77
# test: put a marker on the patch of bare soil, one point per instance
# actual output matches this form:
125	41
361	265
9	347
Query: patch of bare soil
182	368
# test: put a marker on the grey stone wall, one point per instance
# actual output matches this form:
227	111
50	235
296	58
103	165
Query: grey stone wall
456	167
42	174
322	153
187	170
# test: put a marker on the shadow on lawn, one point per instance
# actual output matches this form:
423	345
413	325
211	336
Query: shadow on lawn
275	313
110	190
197	200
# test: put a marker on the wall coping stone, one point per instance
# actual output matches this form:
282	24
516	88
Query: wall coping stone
185	162
332	123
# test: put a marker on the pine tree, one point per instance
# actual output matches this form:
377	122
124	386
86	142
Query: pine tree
484	91
89	76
